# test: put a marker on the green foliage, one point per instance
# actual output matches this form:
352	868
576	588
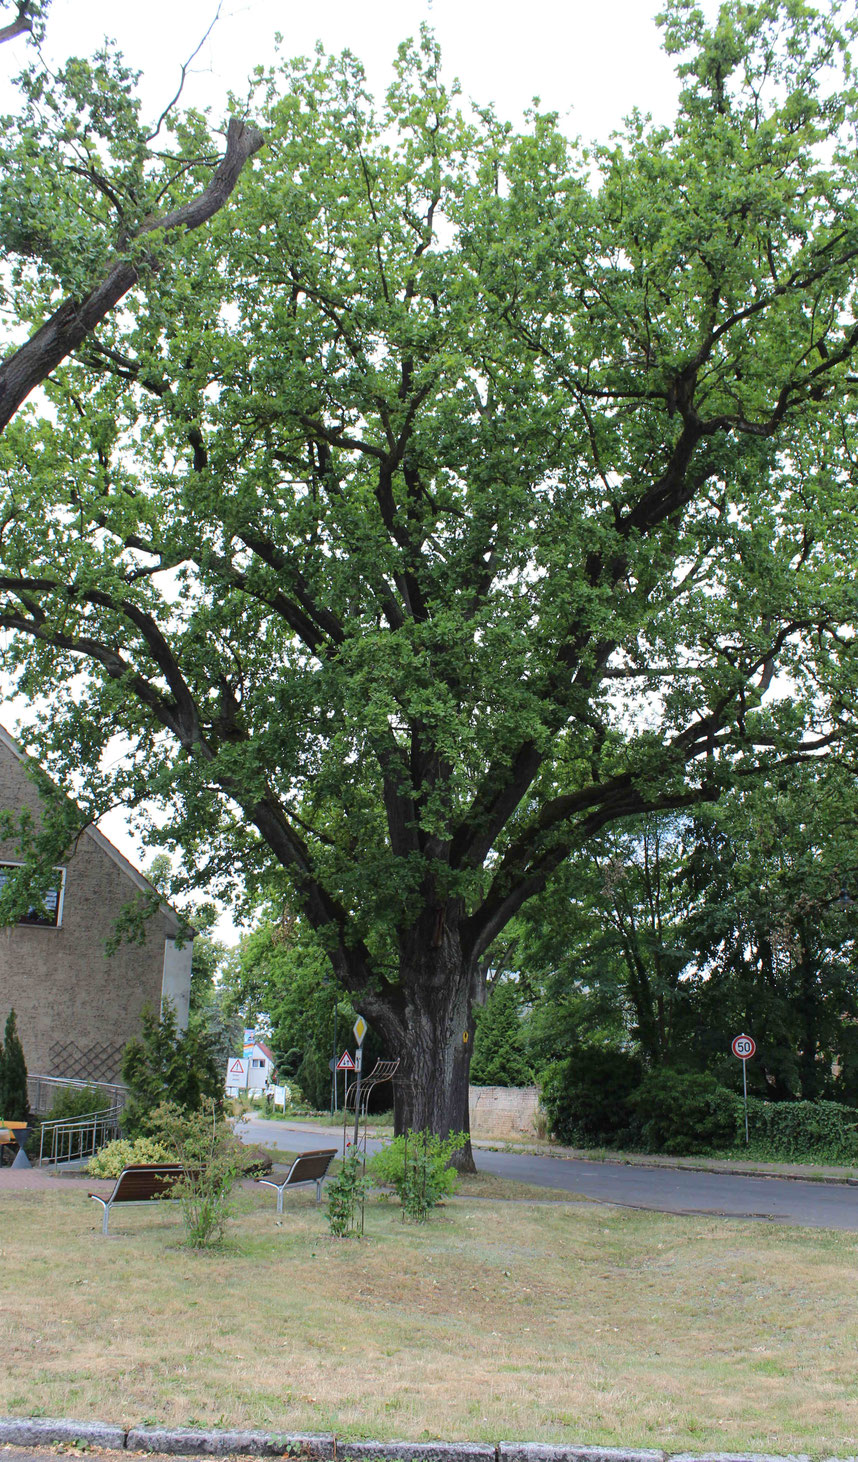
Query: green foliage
167	1065
500	1055
346	1193
587	1097
799	1131
281	967
79	1101
109	1161
14	1103
252	1160
417	1166
683	1112
206	1147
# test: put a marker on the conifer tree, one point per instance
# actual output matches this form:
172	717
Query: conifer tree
13	1075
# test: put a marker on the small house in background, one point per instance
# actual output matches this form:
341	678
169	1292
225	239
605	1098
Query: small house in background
253	1071
77	1006
260	1074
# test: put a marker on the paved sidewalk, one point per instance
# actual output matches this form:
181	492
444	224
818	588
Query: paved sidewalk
36	1180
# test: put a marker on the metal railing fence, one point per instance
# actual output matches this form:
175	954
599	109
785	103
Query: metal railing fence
42	1091
69	1139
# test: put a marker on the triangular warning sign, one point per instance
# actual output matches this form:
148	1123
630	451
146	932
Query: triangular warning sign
237	1066
345	1062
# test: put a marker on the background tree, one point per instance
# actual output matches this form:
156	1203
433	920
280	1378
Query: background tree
168	1065
281	970
14	1102
500	1056
775	932
462	498
614	926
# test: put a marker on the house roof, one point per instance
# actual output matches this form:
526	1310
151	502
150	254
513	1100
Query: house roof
172	919
269	1055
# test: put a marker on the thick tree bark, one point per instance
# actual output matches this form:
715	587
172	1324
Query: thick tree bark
69	325
434	1035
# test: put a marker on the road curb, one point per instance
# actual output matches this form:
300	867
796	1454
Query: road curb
189	1442
43	1431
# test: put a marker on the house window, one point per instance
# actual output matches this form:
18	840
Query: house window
47	912
258	1063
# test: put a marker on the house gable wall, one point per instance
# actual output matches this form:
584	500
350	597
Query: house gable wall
76	1006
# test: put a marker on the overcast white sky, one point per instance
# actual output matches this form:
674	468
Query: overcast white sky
590	62
586	59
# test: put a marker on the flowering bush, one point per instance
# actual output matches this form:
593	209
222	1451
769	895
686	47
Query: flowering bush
111	1159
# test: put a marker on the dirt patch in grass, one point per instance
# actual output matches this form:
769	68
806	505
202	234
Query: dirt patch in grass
546	1322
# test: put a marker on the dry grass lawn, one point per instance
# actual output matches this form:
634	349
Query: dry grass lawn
547	1321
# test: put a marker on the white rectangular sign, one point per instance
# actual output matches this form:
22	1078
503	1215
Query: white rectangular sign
236	1071
280	1097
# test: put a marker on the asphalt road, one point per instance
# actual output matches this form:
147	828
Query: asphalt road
667	1190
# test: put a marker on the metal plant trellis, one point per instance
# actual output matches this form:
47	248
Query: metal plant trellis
382	1071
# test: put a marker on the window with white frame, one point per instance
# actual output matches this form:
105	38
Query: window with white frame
46	912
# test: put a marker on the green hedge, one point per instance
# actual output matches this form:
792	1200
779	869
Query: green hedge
792	1131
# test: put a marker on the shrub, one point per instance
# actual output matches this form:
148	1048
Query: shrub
252	1162
684	1111
79	1101
206	1147
111	1159
346	1193
416	1166
586	1097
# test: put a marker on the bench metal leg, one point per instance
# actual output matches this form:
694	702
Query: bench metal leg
319	1182
279	1200
106	1214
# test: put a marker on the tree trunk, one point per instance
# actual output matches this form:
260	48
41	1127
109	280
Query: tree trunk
435	1038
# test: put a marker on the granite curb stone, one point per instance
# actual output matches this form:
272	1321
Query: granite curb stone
557	1452
188	1442
191	1442
418	1451
740	1457
43	1431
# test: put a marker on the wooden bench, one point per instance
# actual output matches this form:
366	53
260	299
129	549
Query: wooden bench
309	1167
140	1184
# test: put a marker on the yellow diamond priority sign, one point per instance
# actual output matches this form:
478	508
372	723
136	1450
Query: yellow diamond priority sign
360	1029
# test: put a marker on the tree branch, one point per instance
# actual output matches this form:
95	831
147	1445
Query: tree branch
69	326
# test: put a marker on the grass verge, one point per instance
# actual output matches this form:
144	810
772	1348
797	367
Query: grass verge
546	1322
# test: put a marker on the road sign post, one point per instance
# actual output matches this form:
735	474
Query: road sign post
360	1029
744	1047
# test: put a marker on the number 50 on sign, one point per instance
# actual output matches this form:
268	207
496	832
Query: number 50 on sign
744	1047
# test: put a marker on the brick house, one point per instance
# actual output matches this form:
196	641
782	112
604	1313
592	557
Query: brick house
76	1005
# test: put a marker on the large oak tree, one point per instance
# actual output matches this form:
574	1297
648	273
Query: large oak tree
465	492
